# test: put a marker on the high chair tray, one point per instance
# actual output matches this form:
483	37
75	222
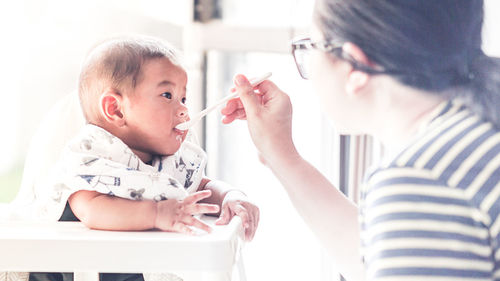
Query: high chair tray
72	247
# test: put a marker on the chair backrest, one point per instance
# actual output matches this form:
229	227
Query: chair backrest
62	122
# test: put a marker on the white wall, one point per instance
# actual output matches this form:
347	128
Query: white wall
491	30
42	47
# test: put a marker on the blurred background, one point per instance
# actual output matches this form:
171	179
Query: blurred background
44	42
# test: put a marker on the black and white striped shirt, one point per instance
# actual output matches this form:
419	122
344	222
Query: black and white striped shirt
433	212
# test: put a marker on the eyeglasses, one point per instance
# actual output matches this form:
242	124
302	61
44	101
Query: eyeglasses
301	53
301	50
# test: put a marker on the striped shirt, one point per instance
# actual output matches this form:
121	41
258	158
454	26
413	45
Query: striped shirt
432	213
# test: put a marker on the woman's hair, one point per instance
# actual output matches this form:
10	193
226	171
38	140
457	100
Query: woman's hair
116	63
433	45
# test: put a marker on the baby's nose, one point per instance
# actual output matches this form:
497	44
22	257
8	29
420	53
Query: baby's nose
182	112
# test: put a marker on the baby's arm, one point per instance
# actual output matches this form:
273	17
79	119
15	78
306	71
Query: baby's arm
101	211
232	202
148	199
113	178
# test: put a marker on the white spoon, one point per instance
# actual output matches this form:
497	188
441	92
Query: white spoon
186	125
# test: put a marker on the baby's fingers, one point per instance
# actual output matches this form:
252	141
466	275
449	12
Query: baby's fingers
202	208
197	196
225	215
241	212
250	232
182	228
194	222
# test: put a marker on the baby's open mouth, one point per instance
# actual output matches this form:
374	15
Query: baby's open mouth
177	131
179	134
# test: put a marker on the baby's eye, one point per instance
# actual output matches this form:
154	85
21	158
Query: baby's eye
183	100
168	95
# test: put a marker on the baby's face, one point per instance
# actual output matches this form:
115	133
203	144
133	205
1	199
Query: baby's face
155	107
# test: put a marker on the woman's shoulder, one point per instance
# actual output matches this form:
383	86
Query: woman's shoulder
455	146
404	180
458	164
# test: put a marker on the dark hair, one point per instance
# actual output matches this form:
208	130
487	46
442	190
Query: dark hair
431	45
116	63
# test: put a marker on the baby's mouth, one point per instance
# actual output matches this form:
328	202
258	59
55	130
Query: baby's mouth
179	134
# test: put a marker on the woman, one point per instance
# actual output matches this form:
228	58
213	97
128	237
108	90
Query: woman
412	74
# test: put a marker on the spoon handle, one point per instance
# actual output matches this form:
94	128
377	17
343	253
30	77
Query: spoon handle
186	125
254	82
214	106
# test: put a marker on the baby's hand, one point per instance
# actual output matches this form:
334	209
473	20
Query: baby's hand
177	215
236	203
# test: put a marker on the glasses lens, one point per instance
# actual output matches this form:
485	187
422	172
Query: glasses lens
302	58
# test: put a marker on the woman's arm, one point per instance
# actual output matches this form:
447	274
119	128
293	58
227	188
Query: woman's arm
330	215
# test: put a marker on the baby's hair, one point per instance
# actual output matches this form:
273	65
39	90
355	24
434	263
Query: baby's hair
116	64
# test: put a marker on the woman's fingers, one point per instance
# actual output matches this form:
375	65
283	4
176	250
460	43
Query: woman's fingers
237	114
268	112
231	106
234	110
241	114
228	119
250	101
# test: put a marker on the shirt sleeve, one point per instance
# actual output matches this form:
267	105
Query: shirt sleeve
113	178
79	171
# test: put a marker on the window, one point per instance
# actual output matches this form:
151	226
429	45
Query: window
283	241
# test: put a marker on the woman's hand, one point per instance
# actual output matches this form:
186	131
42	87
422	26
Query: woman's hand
177	215
235	203
268	111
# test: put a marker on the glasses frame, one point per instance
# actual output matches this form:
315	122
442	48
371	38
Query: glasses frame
331	47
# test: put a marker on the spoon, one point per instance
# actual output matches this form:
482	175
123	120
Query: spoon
186	125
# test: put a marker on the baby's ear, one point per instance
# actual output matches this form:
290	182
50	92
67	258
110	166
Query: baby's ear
111	107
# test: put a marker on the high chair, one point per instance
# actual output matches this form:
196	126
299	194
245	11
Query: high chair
28	246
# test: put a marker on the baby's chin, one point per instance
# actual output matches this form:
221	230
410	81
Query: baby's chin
173	147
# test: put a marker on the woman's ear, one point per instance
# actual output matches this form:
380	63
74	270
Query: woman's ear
111	107
356	79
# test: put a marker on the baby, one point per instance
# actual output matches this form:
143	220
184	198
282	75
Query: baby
130	168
